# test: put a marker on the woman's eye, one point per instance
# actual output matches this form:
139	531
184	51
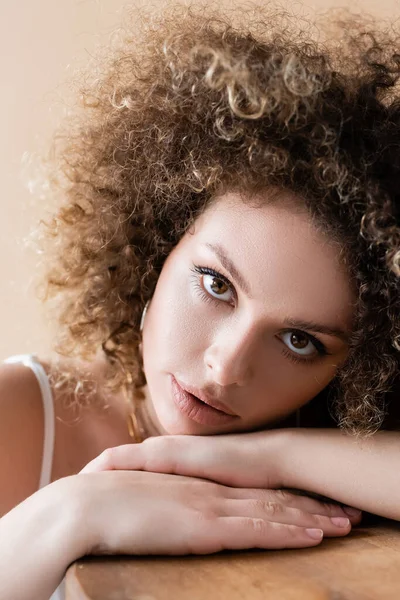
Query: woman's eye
299	343
217	287
213	285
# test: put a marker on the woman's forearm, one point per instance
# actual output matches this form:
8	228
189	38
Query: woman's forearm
39	538
361	473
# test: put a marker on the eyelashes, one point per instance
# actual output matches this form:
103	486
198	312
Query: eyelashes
209	298
208	271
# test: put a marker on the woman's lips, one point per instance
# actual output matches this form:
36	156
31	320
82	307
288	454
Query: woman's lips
197	410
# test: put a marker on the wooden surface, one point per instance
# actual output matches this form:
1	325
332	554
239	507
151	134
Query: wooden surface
363	566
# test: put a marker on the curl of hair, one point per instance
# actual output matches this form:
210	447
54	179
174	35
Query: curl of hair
197	102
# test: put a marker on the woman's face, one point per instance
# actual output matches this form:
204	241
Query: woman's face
252	309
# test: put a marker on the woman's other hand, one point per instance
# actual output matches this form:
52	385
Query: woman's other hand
132	512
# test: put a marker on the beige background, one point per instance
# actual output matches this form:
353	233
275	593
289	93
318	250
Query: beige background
42	42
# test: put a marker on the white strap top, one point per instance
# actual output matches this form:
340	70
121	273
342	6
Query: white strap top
29	360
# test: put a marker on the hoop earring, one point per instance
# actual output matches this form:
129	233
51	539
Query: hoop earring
143	315
136	431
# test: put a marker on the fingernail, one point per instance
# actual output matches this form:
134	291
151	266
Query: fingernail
352	512
315	534
340	521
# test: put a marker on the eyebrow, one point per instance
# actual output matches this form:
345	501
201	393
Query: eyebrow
230	267
227	263
318	328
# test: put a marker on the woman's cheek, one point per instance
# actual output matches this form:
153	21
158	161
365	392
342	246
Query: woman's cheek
286	387
183	322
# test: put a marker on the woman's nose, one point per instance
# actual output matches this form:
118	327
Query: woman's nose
231	358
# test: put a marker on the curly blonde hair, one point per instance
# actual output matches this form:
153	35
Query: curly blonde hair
201	101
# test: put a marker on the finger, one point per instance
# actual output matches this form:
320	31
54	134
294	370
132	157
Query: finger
122	458
175	455
163	454
279	513
241	533
288	499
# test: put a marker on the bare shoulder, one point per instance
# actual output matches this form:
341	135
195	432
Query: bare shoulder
85	424
21	434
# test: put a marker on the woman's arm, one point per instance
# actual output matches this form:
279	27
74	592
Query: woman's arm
361	473
39	538
124	512
358	473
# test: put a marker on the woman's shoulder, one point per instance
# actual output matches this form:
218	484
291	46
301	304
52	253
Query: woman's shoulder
33	389
28	382
86	421
21	433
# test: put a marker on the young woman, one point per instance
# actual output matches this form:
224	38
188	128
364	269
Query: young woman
225	259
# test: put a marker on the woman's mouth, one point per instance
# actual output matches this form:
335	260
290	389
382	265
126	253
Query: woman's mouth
196	410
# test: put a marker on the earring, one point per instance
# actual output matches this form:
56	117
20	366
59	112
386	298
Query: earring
144	315
131	419
136	431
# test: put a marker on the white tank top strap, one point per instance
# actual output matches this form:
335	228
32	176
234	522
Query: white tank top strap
30	360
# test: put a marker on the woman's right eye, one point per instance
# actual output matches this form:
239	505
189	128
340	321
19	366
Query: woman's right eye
214	285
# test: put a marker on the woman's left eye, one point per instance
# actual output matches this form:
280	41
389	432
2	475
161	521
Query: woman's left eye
303	346
215	286
299	343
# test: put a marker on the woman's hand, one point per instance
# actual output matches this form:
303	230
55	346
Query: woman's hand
133	512
238	460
